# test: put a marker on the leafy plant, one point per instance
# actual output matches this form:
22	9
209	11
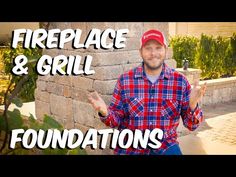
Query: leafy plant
184	48
215	56
230	61
9	54
212	56
17	121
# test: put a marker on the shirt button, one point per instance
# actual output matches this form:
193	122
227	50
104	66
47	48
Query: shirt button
151	110
150	123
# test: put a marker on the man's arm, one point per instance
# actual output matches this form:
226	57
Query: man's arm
112	115
191	113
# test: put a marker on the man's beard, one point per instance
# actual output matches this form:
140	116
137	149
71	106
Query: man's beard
153	67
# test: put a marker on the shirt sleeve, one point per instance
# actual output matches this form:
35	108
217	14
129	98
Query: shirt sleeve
191	118
115	110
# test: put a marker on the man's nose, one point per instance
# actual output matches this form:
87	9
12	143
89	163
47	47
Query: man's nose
153	52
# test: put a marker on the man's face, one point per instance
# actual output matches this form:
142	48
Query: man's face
153	54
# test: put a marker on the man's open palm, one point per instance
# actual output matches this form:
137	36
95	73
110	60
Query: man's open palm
98	103
197	93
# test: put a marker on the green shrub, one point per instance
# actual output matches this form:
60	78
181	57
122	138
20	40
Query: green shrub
230	62
184	48
211	56
9	54
16	121
215	56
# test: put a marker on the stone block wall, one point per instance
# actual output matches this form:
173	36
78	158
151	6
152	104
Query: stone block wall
219	91
65	97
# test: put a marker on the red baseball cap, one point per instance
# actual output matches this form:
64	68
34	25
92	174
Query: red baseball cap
155	35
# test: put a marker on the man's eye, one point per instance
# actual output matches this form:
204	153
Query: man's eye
148	48
159	48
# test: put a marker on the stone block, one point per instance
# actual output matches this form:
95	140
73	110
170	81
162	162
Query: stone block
83	113
225	93
135	30
130	44
42	95
41	108
207	100
216	96
63	80
46	78
41	85
51	52
61	106
104	87
79	94
107	72
69	123
81	82
121	25
116	58
54	88
67	91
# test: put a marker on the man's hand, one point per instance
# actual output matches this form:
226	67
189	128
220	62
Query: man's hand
98	103
196	94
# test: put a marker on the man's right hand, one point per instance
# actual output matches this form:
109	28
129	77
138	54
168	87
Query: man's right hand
98	103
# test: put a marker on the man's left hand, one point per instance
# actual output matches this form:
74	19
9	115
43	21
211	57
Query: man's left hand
196	94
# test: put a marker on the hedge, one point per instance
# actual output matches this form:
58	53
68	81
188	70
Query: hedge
215	56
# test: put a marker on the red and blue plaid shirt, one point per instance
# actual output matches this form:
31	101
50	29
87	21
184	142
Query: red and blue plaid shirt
139	104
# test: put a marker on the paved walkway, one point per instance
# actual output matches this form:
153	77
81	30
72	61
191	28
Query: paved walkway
217	135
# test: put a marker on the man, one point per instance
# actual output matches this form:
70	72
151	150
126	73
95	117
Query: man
152	96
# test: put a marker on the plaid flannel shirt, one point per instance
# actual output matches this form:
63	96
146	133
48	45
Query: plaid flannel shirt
139	104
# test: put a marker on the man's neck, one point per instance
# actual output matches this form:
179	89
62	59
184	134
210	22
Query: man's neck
153	72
